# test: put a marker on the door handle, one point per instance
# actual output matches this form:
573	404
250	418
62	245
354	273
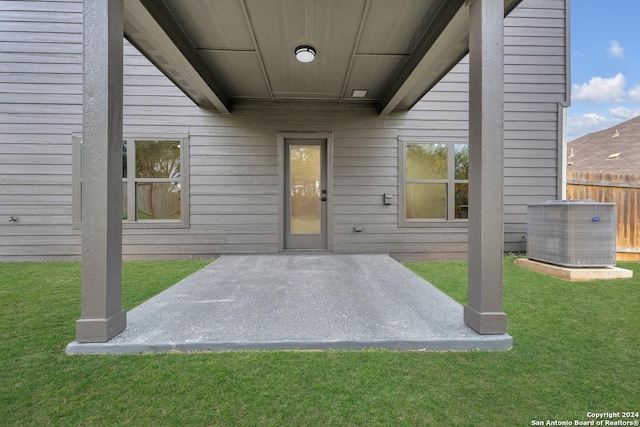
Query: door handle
323	198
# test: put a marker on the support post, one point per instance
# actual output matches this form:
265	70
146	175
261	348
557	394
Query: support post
102	314
483	312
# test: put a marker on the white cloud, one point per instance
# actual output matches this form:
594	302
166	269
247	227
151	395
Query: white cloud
578	126
615	49
624	113
634	93
600	89
589	119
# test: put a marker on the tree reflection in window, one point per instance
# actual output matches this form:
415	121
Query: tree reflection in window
436	181
157	159
305	181
157	180
151	180
462	188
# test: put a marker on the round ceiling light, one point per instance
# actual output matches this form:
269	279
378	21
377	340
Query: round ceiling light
305	53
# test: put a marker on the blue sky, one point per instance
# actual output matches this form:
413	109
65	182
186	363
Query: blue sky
605	64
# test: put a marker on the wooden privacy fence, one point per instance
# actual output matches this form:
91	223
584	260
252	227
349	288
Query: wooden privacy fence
621	189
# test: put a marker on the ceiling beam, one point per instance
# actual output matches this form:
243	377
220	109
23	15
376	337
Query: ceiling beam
419	62
150	27
354	51
252	33
444	44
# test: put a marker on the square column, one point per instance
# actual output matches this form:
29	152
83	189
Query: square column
102	314
483	312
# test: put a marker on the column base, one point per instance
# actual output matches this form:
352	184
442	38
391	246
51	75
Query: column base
487	323
100	330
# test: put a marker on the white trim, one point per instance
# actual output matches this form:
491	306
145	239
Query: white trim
561	192
567	53
76	181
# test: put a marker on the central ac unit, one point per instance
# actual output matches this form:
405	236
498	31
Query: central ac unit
574	233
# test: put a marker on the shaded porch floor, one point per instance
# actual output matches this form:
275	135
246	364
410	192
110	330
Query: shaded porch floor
297	301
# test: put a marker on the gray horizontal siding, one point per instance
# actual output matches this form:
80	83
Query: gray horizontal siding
40	105
233	159
535	75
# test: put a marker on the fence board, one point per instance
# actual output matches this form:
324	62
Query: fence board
621	189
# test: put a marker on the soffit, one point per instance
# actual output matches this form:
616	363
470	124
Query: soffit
245	48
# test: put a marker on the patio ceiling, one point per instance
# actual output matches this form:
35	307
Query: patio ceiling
217	51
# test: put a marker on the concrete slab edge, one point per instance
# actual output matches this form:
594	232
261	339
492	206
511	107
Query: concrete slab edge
486	342
575	274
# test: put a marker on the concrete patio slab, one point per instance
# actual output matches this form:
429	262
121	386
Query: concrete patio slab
299	301
575	274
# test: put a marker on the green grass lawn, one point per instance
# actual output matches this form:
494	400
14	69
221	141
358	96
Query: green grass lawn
576	350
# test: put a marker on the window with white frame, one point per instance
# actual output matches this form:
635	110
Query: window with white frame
154	182
434	181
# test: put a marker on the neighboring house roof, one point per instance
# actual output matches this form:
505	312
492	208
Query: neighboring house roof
613	150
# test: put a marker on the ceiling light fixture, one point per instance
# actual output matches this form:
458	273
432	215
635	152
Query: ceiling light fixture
359	93
305	53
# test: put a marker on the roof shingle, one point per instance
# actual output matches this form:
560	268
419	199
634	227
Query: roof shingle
613	150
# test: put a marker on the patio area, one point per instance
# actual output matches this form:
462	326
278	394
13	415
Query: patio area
297	301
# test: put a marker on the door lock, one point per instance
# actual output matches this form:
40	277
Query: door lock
323	198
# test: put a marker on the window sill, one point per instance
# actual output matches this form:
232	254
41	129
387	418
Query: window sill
155	224
434	223
77	228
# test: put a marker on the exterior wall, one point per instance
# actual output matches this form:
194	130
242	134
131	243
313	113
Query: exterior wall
537	90
234	160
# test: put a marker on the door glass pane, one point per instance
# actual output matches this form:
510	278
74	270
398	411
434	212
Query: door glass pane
124	200
305	181
462	161
462	201
157	159
124	159
157	200
426	201
426	161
